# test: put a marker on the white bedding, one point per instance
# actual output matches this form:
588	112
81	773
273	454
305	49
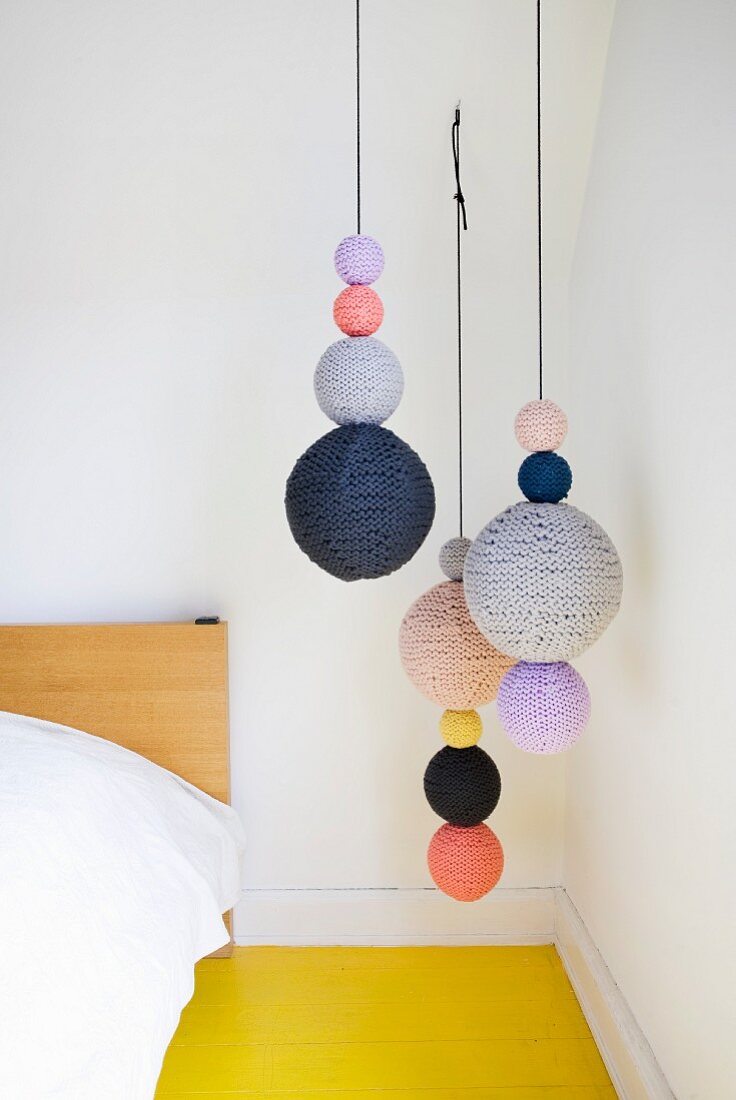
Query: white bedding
113	877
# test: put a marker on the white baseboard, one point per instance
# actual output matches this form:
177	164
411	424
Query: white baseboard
372	917
629	1059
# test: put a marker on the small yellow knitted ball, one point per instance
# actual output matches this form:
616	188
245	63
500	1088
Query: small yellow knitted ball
461	728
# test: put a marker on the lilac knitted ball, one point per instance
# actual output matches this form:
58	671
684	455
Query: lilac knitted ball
543	707
359	260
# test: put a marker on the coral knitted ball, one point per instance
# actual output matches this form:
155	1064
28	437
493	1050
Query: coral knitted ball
359	260
462	786
358	380
545	477
543	581
358	311
360	502
452	558
461	728
543	707
465	863
445	655
540	426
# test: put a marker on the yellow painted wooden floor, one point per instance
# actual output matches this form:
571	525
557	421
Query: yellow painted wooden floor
407	1023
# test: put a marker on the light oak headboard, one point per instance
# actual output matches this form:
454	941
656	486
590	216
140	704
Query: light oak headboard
157	688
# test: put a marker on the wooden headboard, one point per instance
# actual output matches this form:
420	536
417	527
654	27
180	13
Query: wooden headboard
157	688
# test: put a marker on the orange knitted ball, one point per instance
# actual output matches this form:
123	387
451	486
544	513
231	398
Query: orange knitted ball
358	311
465	863
445	655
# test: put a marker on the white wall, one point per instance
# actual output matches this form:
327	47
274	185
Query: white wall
651	829
176	175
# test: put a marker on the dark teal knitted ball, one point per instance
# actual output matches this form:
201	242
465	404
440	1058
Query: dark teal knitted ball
545	477
360	502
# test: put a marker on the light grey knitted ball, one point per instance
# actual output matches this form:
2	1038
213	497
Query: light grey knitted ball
358	381
542	581
452	557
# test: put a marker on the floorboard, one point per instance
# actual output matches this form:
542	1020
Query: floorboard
424	1023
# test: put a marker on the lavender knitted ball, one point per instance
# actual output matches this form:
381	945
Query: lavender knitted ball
359	260
543	707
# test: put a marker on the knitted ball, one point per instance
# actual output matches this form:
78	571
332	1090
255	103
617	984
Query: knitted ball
540	426
543	581
359	502
543	707
445	655
359	260
358	380
452	558
358	311
461	728
545	477
462	786
465	863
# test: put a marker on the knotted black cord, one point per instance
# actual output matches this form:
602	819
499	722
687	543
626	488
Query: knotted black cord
459	210
539	189
357	103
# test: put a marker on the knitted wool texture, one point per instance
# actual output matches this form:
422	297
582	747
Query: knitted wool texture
358	380
358	311
543	581
461	728
359	502
462	786
540	426
465	863
359	260
543	707
452	558
545	477
444	654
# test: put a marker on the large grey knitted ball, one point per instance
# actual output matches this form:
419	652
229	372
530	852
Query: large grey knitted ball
543	581
358	381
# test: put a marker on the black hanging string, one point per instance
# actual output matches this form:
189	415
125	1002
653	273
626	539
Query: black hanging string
539	189
460	214
357	104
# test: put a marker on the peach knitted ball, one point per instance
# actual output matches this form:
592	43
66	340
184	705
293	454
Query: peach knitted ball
465	863
358	311
445	655
540	426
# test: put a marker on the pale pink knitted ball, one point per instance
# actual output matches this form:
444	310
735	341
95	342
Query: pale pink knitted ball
540	426
358	311
445	655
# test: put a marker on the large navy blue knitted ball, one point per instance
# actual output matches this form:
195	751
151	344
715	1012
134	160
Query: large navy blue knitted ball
545	477
360	502
462	785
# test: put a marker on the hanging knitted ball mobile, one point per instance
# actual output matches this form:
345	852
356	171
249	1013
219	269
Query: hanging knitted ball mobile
543	580
359	502
447	658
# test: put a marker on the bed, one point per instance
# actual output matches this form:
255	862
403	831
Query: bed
118	851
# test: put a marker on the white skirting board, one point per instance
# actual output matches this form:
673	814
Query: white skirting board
386	916
381	917
629	1059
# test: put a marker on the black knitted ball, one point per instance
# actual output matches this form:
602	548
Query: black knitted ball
360	502
462	785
